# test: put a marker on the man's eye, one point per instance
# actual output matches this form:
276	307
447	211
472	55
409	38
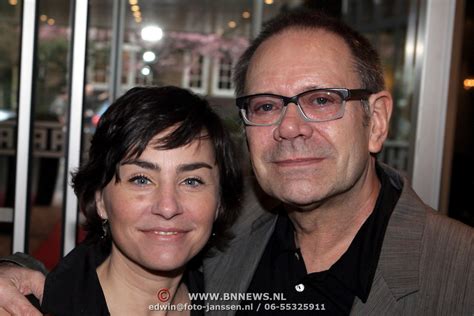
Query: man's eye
321	101
193	182
265	107
140	180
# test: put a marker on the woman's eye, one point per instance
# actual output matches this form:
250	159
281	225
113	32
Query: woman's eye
140	180
193	182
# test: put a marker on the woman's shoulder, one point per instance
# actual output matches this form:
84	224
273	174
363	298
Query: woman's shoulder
73	286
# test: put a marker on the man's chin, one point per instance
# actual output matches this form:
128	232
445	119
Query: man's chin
302	203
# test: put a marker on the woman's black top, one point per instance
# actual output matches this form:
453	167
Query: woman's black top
73	287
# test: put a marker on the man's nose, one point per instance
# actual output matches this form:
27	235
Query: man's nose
166	203
292	125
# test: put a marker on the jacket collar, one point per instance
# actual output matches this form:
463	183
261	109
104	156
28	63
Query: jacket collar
231	271
238	264
401	251
397	272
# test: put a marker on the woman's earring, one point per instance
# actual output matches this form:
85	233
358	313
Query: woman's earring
218	211
104	228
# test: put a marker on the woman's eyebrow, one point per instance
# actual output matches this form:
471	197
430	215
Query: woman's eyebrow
142	164
181	168
193	166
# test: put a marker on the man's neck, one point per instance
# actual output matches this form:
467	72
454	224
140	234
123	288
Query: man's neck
325	233
129	289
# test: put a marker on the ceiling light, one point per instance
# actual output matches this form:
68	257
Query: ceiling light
146	71
149	56
152	33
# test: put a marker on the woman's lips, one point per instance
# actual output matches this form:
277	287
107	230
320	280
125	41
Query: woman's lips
165	233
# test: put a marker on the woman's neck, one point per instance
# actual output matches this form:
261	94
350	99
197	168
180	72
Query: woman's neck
130	289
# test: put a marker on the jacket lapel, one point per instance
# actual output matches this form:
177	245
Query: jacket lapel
397	272
231	271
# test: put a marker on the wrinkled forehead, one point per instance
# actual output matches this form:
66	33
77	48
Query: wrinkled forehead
300	58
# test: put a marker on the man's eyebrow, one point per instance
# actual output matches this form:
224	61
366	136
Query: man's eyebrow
193	166
142	164
313	87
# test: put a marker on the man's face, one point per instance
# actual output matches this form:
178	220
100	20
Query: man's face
304	163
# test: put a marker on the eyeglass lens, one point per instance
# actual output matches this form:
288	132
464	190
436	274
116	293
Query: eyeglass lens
317	105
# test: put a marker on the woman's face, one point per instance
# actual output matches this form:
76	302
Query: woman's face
161	212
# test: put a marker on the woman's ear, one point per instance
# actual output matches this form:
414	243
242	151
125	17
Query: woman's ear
381	105
99	202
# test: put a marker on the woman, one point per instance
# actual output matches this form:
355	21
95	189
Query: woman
152	194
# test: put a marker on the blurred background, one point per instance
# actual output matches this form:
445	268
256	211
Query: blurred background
194	44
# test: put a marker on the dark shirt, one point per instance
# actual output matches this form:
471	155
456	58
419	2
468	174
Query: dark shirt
73	287
332	292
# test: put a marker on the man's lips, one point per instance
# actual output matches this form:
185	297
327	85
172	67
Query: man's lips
297	162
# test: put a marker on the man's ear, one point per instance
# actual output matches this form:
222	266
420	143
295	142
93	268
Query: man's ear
381	105
99	202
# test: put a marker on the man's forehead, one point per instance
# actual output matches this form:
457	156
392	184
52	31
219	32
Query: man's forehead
298	37
299	59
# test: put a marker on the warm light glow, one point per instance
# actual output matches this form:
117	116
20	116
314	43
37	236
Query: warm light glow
137	14
268	1
133	2
138	20
232	24
13	2
468	83
135	8
152	33
51	21
145	71
149	56
43	18
246	14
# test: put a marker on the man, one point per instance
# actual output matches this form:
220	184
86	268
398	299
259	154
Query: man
350	236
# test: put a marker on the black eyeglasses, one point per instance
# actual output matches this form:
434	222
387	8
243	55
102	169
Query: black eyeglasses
316	105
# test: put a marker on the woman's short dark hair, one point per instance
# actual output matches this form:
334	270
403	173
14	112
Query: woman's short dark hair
366	58
127	127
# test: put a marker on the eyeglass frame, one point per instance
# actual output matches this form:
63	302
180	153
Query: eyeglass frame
344	93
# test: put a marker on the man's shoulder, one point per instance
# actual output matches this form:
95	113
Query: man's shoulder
446	259
427	260
440	224
446	270
447	240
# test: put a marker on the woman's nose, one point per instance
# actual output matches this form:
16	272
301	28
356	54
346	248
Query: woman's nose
166	203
